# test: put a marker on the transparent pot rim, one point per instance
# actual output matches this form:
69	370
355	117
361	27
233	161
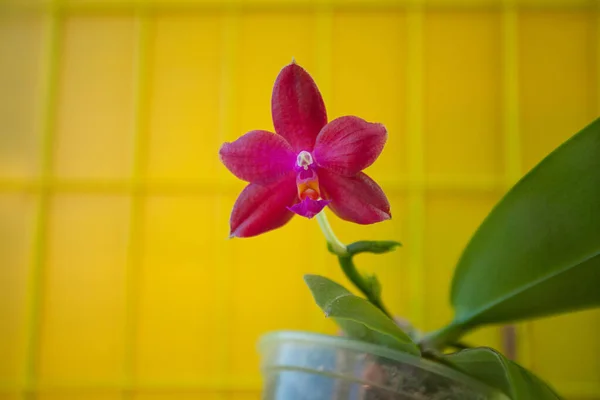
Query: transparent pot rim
272	338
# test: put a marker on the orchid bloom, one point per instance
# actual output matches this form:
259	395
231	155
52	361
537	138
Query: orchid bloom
307	165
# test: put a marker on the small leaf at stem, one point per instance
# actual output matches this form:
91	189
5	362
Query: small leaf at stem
372	246
374	285
340	304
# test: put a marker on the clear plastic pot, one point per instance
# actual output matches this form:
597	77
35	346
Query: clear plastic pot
308	366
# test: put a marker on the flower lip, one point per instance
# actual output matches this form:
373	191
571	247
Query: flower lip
308	207
307	182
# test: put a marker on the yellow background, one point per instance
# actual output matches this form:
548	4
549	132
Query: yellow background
116	277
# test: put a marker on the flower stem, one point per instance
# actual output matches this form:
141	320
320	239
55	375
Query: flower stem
358	280
347	264
335	244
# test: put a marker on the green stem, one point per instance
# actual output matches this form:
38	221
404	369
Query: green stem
335	244
345	260
437	340
357	279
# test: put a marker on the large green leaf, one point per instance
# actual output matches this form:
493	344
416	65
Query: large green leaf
358	317
491	367
538	251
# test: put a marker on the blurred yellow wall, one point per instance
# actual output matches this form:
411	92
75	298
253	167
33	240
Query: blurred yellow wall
116	277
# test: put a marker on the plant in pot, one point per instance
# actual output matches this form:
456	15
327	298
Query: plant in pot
537	253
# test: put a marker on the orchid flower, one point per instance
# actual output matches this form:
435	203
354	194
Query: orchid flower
307	164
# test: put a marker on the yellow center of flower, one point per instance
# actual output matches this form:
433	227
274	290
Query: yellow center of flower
309	189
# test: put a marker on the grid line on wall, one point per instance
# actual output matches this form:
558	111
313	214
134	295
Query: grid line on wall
227	385
512	139
323	75
359	5
136	217
416	167
35	290
515	337
229	39
509	336
100	186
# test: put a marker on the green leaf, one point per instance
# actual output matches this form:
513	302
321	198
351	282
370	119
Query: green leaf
372	246
358	317
489	366
358	331
538	251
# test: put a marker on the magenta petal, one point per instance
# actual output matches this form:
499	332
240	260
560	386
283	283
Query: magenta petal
357	199
297	107
309	208
347	145
258	157
261	208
